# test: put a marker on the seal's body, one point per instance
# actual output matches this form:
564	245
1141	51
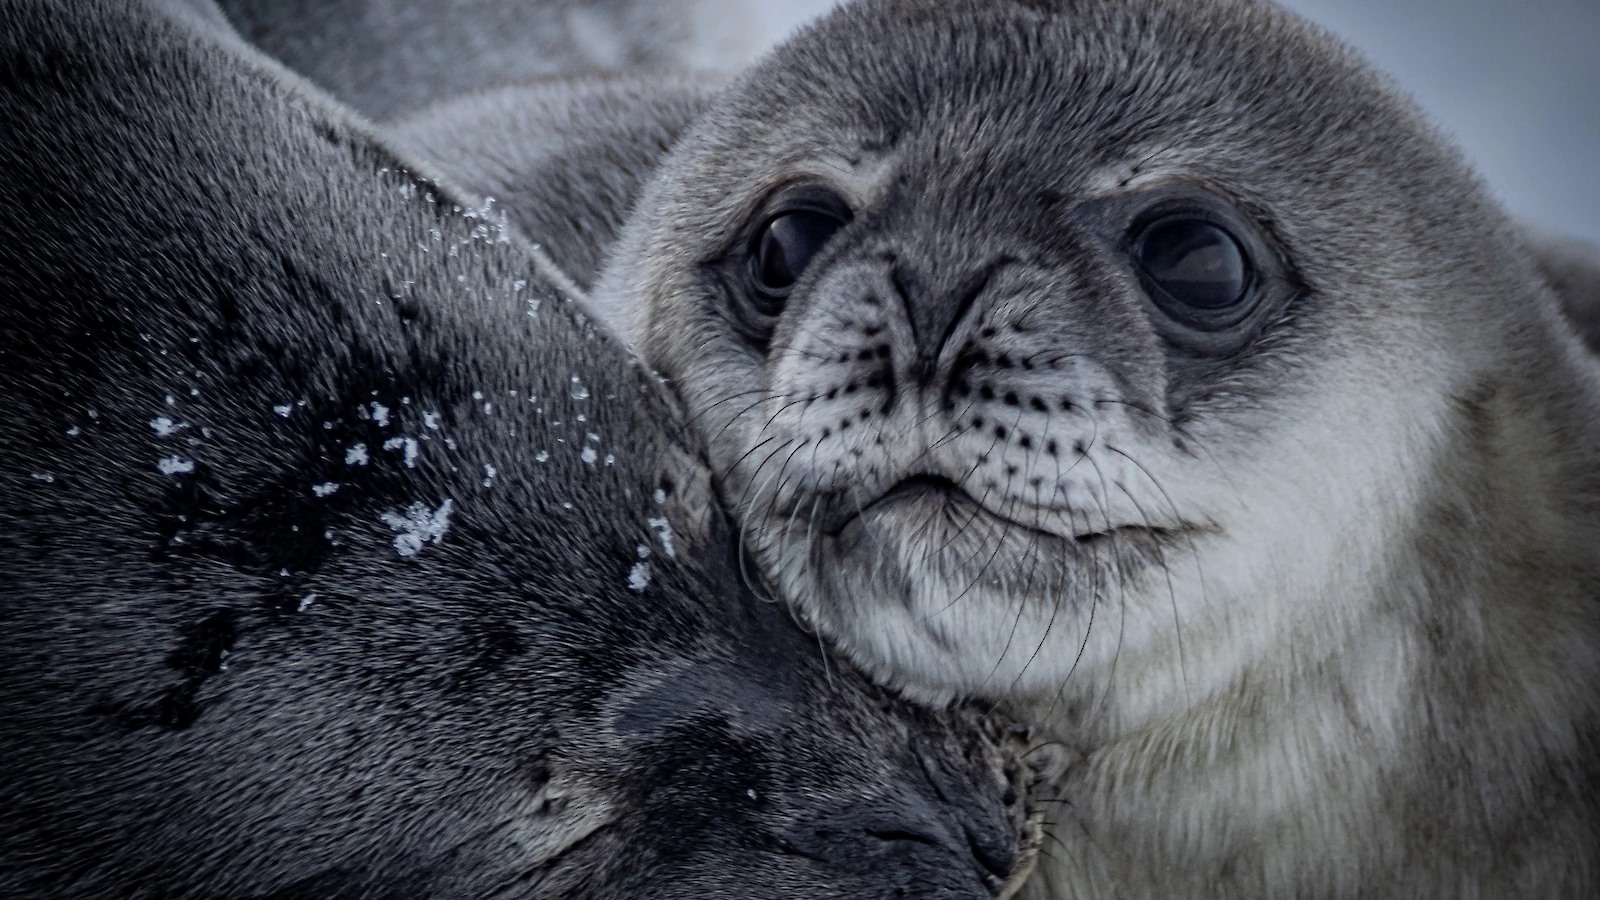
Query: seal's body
339	558
564	158
1153	367
388	58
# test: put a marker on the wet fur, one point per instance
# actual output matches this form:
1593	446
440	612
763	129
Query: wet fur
225	668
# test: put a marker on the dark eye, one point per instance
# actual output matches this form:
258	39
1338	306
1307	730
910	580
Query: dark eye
1198	269
783	248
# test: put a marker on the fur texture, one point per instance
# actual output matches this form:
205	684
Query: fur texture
391	58
341	557
1572	268
565	157
1315	615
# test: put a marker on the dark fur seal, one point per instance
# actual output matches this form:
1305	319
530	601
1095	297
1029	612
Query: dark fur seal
339	557
1152	365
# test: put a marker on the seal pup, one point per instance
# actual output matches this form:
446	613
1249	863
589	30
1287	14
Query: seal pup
1154	368
340	557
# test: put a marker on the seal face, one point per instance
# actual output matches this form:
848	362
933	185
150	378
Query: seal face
1010	317
972	431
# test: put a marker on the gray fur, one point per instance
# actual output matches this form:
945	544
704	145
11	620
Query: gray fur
391	58
1572	267
565	157
1316	617
310	584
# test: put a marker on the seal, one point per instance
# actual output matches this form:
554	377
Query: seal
390	58
1572	268
564	158
1156	369
341	557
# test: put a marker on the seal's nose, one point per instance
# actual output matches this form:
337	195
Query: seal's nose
907	849
990	839
935	300
942	839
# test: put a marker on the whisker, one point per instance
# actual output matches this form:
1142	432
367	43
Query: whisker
1172	595
723	475
1177	429
730	397
1121	585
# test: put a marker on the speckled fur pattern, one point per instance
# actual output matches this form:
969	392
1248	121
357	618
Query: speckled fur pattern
340	556
1319	617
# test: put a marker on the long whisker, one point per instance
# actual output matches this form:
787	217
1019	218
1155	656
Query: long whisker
1172	595
1094	601
730	397
1177	429
1122	588
729	470
744	525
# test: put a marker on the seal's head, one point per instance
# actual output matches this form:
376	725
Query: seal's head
1032	336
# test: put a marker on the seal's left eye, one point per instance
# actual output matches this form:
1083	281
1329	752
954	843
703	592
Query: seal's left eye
1194	265
783	248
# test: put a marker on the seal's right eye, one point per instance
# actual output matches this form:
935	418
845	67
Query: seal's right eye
1196	267
785	244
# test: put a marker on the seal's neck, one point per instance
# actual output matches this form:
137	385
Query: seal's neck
1449	686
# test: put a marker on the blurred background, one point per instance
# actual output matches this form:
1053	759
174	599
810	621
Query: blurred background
1516	82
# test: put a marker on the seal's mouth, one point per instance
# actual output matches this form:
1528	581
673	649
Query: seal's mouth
932	488
917	486
907	490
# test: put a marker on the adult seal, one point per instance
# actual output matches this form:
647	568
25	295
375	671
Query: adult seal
1155	368
339	557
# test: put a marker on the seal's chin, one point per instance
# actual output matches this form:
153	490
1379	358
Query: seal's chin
930	591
